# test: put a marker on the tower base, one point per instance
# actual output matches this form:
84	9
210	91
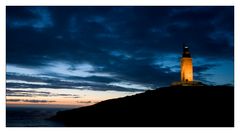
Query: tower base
187	83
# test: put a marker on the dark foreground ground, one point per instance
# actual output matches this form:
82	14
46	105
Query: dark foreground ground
203	106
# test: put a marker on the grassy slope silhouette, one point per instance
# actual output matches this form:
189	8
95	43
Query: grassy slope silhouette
201	106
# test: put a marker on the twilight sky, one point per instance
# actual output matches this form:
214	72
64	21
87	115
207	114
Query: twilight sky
81	55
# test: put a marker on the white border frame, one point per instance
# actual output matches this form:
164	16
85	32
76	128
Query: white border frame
4	3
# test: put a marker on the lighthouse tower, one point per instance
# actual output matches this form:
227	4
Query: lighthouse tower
186	66
186	70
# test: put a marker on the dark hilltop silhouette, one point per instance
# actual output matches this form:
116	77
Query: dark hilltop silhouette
176	106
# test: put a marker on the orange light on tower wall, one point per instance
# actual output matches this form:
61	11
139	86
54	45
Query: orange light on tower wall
186	66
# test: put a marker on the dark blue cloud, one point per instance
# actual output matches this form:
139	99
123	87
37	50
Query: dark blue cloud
35	93
30	100
35	17
124	42
70	82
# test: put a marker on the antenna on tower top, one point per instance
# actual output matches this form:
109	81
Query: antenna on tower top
185	45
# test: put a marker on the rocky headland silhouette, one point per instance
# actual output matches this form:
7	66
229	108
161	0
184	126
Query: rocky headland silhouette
177	106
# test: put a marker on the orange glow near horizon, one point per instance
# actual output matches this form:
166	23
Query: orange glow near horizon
51	101
79	98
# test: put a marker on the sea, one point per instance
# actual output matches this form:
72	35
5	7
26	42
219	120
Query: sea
31	117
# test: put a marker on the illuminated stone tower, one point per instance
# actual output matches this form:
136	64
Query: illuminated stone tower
187	71
186	66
